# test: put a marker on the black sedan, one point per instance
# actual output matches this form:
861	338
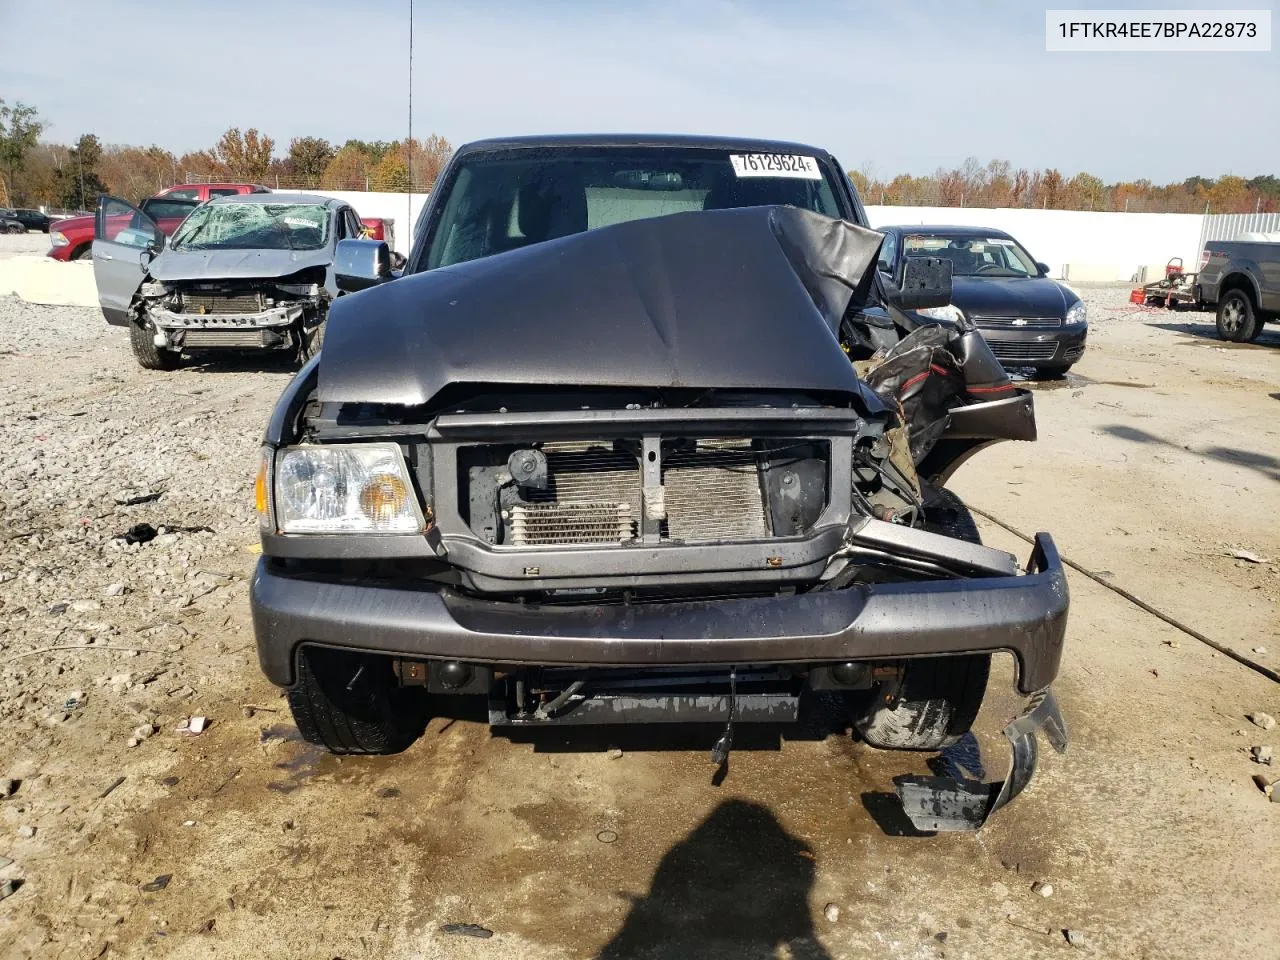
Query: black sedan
30	219
1027	319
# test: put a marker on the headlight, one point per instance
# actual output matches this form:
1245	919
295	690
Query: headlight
949	312
57	239
345	488
1077	312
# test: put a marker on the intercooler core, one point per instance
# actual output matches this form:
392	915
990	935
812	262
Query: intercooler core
609	491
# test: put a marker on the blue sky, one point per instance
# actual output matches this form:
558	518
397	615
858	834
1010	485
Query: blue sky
887	87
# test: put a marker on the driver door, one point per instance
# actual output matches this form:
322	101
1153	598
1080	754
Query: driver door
124	239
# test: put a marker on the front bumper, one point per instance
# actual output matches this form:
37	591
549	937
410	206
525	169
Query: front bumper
274	318
1031	347
1024	615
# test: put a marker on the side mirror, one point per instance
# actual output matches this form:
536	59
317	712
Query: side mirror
360	264
926	282
1043	268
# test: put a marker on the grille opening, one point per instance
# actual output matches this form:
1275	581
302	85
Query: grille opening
1022	349
1023	323
712	489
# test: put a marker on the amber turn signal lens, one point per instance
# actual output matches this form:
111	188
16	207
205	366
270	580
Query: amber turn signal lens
260	487
383	497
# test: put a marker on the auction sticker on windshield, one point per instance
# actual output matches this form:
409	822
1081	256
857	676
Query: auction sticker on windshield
775	165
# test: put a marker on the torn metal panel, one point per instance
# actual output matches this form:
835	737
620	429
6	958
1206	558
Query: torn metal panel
179	264
945	804
747	298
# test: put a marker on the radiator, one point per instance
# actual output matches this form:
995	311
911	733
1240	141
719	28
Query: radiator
594	495
195	339
714	494
205	304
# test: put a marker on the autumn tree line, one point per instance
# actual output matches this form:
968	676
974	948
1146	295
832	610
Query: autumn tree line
997	184
35	172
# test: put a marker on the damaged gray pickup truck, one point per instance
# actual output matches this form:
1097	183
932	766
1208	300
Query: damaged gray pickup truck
246	272
642	435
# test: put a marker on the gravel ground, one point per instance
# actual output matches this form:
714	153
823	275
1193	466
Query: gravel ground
23	245
1157	459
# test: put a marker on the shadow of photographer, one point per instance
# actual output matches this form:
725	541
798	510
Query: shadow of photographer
738	886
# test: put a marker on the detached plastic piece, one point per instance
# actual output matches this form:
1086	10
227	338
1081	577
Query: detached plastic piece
937	804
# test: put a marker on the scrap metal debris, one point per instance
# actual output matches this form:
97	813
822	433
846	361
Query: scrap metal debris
138	533
158	884
468	930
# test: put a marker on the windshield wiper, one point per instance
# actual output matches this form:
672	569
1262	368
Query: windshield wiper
186	241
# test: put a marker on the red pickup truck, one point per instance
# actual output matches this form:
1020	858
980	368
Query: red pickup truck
72	239
200	192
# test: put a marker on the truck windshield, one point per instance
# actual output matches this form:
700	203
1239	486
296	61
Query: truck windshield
501	202
254	226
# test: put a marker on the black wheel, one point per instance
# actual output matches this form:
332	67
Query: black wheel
84	253
350	703
1237	318
1258	328
936	699
1053	372
148	355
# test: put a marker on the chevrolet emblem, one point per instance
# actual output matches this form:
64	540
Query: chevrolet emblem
1018	322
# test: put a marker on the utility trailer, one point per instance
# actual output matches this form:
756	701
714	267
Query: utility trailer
1176	287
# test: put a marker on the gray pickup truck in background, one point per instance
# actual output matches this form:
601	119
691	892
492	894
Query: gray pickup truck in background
1241	280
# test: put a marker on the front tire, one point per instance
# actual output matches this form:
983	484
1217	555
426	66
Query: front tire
936	699
349	703
1237	317
84	253
148	355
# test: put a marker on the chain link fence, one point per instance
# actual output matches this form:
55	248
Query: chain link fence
873	196
277	182
884	198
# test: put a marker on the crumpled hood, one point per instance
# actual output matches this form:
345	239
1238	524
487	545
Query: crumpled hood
731	299
182	264
1011	296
